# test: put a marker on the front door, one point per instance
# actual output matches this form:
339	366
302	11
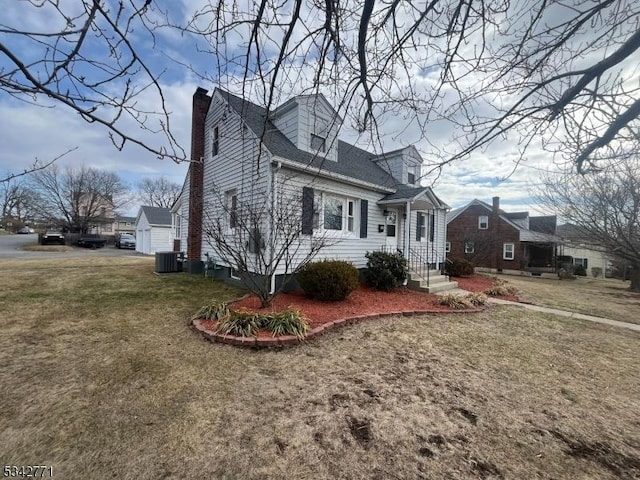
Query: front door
391	230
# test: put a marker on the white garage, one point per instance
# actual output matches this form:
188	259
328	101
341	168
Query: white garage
153	230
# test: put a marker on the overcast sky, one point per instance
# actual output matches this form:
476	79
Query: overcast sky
28	132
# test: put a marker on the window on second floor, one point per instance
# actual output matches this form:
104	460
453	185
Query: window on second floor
483	222
215	141
318	143
411	175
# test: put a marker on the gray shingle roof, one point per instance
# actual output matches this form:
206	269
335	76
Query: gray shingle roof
157	215
353	162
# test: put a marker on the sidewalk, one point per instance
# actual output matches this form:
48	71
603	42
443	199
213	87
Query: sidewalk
555	311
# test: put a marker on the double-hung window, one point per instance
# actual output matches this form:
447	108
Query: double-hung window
508	251
469	247
318	143
483	222
339	213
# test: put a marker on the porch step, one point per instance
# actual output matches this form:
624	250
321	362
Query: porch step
437	282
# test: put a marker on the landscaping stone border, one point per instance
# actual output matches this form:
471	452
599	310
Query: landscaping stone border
289	340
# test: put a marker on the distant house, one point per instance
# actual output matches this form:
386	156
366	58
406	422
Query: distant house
153	230
585	250
498	241
242	155
96	214
124	225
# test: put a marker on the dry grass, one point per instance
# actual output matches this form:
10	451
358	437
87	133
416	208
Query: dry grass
608	298
36	247
102	379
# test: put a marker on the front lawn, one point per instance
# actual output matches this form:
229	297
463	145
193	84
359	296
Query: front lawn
608	298
102	378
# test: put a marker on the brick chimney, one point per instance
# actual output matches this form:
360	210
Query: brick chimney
496	204
196	186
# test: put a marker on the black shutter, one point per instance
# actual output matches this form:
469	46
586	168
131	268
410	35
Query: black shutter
307	210
364	218
419	223
432	227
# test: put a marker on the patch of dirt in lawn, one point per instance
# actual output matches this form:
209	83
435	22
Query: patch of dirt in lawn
363	301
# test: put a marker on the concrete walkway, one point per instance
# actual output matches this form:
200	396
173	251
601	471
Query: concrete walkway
555	311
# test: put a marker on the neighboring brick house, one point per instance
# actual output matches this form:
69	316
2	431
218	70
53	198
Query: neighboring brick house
498	241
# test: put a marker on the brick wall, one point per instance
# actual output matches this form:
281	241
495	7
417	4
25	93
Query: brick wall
196	169
488	243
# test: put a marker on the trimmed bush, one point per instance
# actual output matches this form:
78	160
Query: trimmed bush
458	267
596	271
579	270
328	280
385	271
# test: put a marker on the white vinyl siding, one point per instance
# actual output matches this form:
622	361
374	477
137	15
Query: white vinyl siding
239	166
152	238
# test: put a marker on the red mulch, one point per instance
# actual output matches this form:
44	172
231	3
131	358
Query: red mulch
474	283
363	301
479	283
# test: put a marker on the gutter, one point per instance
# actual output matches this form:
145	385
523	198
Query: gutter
334	176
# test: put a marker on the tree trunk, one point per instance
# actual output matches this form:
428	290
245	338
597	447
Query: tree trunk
635	278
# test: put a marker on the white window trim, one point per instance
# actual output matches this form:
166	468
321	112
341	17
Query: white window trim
423	231
447	247
504	251
471	250
229	194
486	222
215	140
324	143
411	171
343	232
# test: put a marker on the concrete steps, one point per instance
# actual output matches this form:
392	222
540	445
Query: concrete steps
437	282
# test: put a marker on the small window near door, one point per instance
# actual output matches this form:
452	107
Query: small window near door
483	222
508	251
447	247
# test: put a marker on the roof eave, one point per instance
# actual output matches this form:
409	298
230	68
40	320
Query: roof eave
334	176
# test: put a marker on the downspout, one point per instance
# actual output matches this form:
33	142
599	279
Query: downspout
274	188
407	235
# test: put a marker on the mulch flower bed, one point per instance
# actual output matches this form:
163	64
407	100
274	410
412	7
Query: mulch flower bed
362	304
479	283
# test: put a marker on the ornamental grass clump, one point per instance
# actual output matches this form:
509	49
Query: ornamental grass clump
287	322
500	290
214	311
241	323
477	299
455	301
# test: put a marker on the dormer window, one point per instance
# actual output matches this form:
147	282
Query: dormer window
318	143
411	176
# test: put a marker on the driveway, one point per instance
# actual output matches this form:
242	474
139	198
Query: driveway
10	248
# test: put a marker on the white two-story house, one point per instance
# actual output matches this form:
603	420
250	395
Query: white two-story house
292	167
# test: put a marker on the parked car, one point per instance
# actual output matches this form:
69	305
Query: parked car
91	240
126	240
52	236
26	230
